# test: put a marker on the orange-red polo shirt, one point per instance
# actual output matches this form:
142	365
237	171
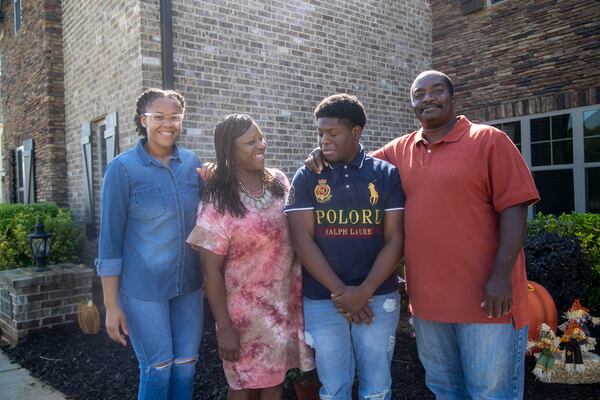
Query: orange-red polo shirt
455	191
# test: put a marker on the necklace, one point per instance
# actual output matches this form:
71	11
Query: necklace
261	201
254	196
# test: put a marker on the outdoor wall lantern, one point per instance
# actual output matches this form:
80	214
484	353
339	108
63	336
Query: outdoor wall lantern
40	246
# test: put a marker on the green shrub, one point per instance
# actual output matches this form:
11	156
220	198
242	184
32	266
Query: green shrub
584	226
17	221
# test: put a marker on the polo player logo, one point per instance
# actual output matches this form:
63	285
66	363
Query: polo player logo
374	195
322	191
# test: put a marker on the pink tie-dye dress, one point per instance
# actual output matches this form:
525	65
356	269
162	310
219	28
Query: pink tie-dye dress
263	289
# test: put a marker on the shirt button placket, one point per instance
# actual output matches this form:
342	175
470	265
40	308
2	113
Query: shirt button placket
346	178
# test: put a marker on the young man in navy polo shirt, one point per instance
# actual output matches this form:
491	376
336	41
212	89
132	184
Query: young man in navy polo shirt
347	227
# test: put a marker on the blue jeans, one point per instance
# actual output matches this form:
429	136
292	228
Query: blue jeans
472	361
342	347
165	336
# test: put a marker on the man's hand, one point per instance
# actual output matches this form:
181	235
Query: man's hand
116	323
207	171
497	296
315	161
365	315
351	299
229	344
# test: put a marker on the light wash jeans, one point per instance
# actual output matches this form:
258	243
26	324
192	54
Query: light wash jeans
342	347
472	361
166	337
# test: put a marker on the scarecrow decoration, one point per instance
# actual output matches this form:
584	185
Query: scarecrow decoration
547	343
568	359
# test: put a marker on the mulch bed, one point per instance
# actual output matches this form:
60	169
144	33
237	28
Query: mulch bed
92	367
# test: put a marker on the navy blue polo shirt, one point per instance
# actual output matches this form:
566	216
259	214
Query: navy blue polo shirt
349	201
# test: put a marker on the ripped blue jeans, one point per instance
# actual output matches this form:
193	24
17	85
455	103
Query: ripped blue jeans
341	348
166	336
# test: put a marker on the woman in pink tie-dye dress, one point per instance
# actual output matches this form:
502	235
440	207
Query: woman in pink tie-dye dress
252	279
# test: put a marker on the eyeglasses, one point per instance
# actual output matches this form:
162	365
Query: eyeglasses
161	118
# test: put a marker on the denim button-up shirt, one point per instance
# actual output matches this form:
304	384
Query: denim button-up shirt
147	212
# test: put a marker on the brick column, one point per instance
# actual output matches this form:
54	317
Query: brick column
32	300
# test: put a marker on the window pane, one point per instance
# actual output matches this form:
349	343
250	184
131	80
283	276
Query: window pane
540	154
591	123
562	152
102	145
540	129
592	188
17	13
20	169
592	149
513	130
562	127
556	191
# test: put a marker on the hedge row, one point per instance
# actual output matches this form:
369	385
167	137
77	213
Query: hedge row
17	221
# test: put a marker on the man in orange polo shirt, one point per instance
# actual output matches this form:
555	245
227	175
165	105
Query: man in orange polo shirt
467	190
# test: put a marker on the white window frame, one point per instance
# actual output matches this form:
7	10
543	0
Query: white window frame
578	166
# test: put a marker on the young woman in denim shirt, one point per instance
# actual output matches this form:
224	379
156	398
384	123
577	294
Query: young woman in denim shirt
150	277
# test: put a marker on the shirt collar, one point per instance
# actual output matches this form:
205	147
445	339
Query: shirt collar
357	161
456	133
146	158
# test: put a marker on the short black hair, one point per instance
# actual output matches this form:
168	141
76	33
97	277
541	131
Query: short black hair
344	106
442	75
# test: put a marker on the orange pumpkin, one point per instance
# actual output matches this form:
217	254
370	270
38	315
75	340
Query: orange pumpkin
541	309
88	318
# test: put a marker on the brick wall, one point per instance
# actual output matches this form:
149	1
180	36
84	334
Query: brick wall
274	60
103	74
519	57
33	93
32	300
277	59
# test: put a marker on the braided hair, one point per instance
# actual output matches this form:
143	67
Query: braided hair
222	190
146	99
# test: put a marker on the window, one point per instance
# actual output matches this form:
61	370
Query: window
99	146
556	191
100	128
592	186
591	135
551	140
17	14
562	149
19	176
513	130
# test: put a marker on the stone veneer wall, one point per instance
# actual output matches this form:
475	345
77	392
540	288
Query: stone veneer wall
33	94
518	57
